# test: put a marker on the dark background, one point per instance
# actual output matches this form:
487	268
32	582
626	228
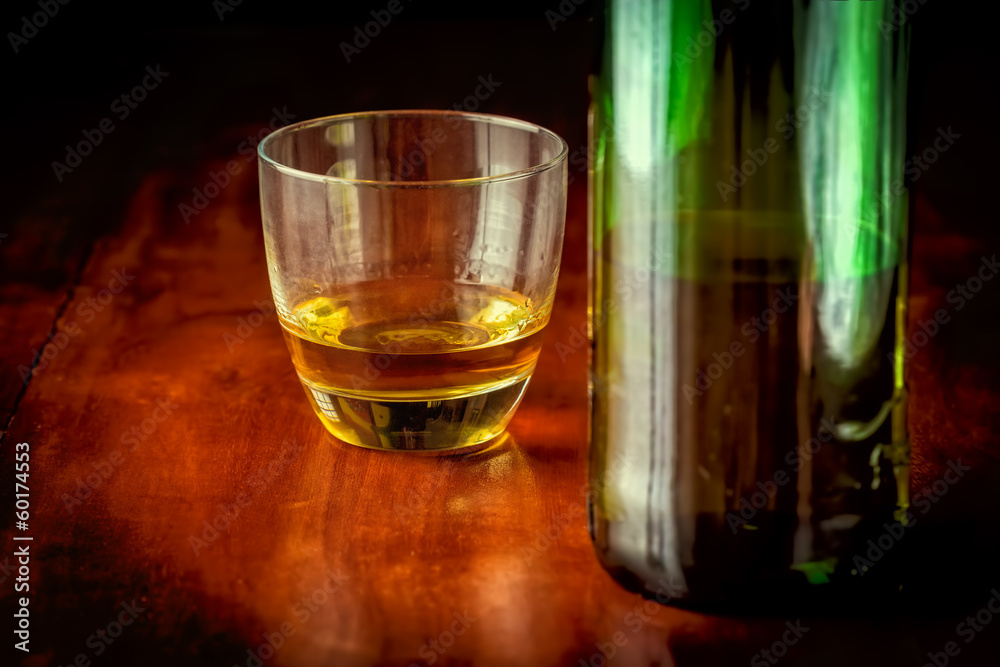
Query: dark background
231	72
227	75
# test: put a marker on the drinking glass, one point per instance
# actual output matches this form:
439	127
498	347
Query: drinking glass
413	258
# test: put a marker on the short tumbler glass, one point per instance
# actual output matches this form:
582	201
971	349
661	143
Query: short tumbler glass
413	258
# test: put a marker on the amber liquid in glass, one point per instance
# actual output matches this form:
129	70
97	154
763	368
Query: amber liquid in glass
416	363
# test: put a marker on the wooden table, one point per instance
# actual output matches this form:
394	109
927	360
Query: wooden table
187	508
176	468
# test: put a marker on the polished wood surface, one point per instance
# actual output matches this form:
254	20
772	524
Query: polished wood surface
183	472
188	508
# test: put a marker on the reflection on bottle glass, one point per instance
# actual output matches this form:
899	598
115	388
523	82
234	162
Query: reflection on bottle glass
749	252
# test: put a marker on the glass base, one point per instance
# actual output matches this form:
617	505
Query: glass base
441	425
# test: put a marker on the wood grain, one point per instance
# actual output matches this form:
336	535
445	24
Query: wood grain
183	474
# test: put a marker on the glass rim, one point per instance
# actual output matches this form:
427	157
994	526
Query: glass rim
458	182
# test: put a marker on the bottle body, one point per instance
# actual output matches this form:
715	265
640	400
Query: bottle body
749	246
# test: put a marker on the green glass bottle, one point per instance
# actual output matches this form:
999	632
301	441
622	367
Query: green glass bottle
749	251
